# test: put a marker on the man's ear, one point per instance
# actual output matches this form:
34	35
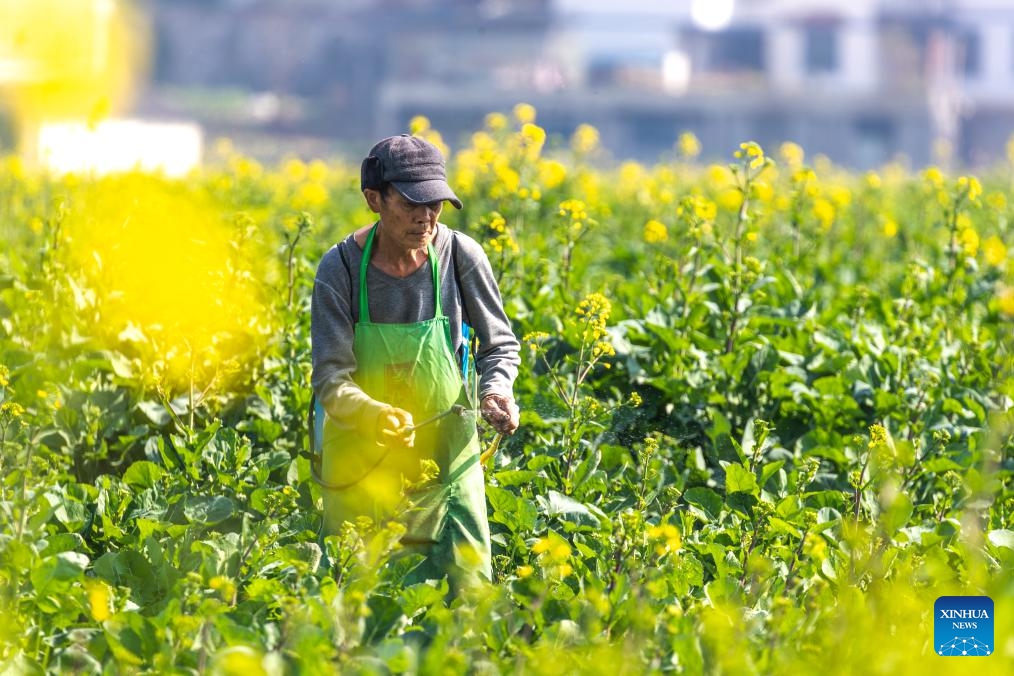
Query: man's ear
373	199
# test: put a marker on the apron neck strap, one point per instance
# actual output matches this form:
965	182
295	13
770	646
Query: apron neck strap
364	306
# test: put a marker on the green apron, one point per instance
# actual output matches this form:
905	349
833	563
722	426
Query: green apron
411	366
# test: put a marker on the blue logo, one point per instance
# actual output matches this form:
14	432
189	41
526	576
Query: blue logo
963	626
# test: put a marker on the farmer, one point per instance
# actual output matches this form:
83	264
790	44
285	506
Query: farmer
388	348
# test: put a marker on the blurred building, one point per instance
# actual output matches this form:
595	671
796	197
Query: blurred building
863	81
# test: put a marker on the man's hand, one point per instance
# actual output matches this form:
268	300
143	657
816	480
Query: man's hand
394	428
500	412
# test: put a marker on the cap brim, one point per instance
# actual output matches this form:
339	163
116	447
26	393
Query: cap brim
424	192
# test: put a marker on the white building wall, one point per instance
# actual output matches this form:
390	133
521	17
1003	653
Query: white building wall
785	58
994	84
859	55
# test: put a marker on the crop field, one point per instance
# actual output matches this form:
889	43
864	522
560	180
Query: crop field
766	419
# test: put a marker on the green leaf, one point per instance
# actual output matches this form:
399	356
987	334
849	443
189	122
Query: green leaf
420	596
131	638
540	461
143	474
208	510
55	572
704	502
61	542
778	525
1001	538
940	465
515	477
517	513
768	470
897	514
739	479
568	509
155	412
384	614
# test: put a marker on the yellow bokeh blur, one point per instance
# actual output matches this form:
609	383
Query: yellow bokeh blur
69	59
171	275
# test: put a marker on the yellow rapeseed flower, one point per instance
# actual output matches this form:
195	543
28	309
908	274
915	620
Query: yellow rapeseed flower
688	144
815	546
12	408
100	599
970	186
585	139
719	176
698	207
534	136
418	125
705	209
804	175
841	196
310	196
575	209
5	375
889	226
1006	297
551	173
752	153
655	231
878	435
933	176
594	309
668	538
483	141
317	171
534	340
969	240
524	113
239	659
824	212
294	170
507	177
554	547
873	180
525	571
994	251
631	178
792	154
496	121
762	191
14	166
223	147
997	200
730	199
246	167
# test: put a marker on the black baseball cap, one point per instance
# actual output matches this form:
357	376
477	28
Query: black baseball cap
414	166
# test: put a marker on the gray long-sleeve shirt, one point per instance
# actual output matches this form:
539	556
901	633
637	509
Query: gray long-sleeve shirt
335	310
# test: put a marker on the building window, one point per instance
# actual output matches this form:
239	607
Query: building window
821	48
873	141
969	52
736	50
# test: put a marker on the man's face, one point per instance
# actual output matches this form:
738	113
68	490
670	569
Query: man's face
406	225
